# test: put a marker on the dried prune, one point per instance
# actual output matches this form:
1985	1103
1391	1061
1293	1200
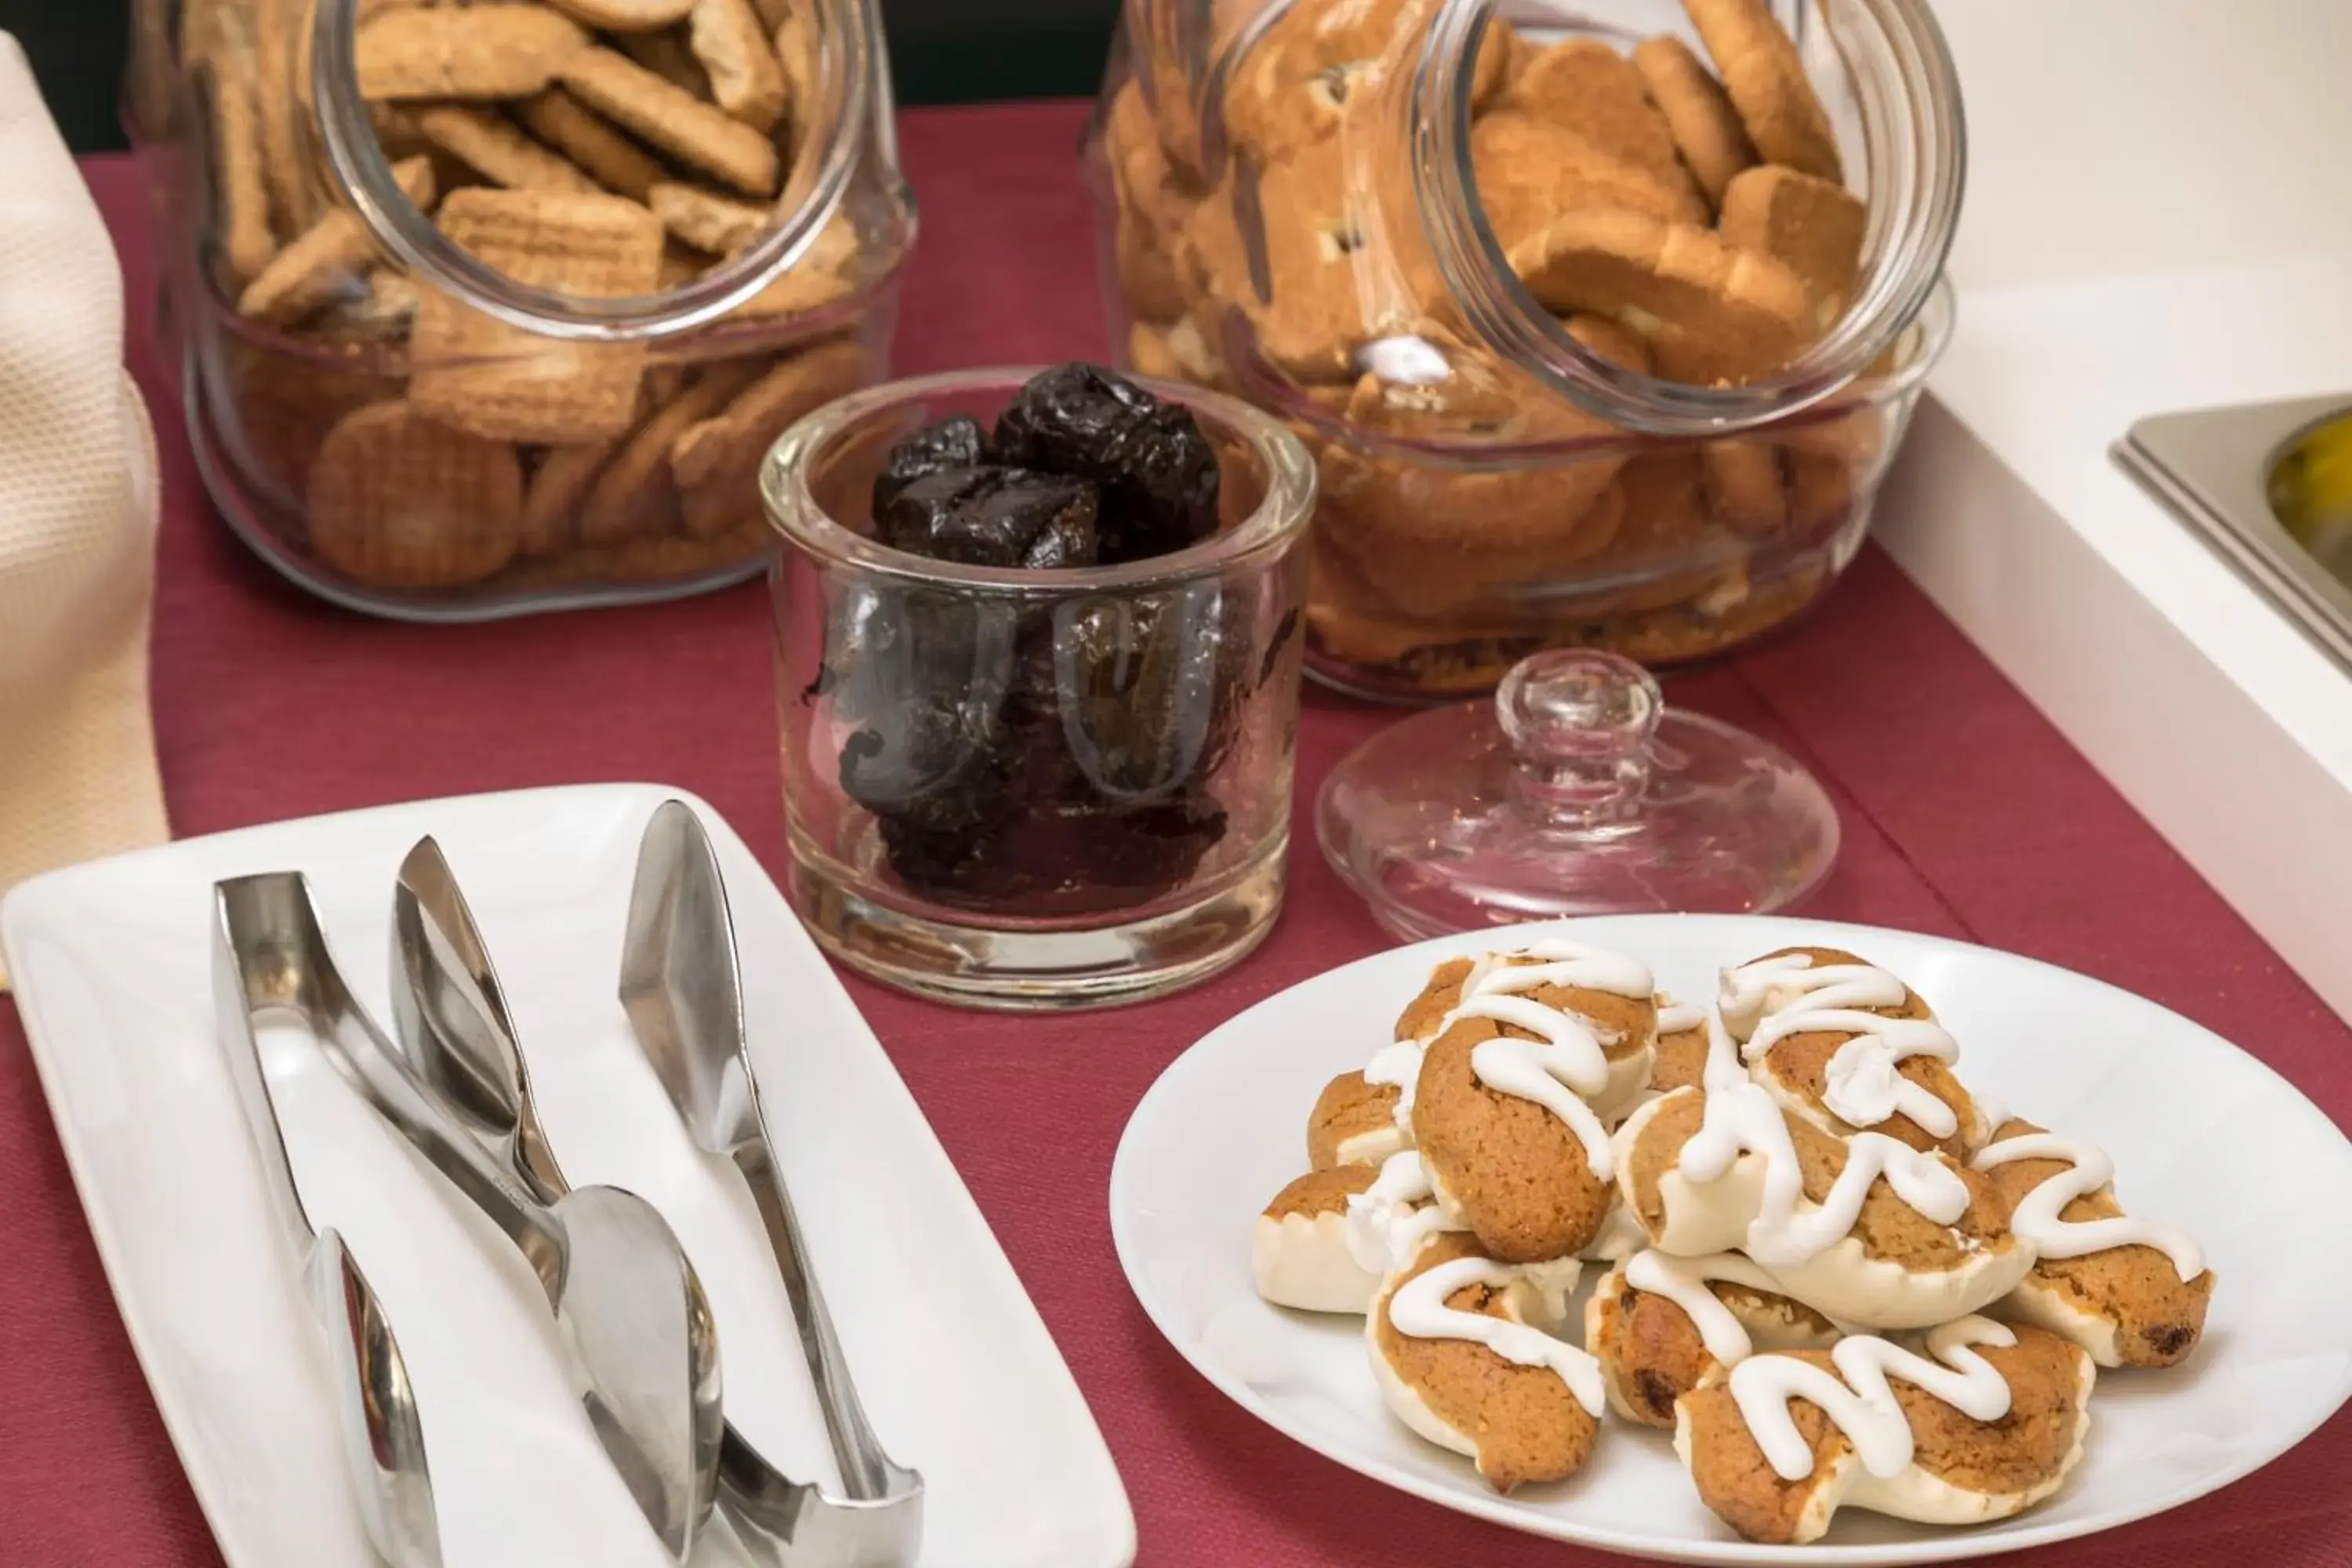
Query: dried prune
1156	472
994	517
958	443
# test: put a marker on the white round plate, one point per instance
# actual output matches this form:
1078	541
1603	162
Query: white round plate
2202	1135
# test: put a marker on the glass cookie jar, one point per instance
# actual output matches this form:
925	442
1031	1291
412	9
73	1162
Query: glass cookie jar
497	308
1602	318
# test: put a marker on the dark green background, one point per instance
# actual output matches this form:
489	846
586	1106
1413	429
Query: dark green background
942	51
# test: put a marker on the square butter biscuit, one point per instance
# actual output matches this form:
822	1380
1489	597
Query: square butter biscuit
482	376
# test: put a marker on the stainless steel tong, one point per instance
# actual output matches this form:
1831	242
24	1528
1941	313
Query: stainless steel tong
454	1022
375	1407
683	992
635	1325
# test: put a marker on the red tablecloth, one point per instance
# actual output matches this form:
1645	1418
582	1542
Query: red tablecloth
1965	814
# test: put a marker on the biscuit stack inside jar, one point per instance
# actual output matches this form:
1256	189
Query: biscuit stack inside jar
403	446
1679	210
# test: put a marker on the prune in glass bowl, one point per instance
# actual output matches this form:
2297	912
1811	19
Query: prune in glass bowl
1156	471
993	516
958	443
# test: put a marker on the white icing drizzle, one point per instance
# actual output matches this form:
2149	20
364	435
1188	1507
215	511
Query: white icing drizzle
2037	1216
1398	1065
1863	1407
1673	1016
1862	1088
1388	1221
1741	1115
1565	1062
1417	1310
1685	1281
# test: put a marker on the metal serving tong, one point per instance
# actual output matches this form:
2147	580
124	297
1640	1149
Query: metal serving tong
633	1318
684	995
454	1024
384	1442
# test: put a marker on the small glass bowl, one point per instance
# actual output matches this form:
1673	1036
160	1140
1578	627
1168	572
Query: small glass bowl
1026	789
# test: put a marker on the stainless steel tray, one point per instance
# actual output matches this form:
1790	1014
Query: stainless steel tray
2213	466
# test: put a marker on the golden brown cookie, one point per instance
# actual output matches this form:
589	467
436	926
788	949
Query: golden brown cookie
240	189
2128	1306
1707	130
716	462
634	494
481	374
627	16
665	54
1680	1061
1425	1014
1796	1066
1519	1174
1653	1353
558	118
399	501
1585	87
1995	1467
746	81
327	261
1765	79
475	51
1711	312
550	503
1530	171
705	220
829	270
1522	1425
1744	489
485	142
1353	1124
284	98
1813	227
673	120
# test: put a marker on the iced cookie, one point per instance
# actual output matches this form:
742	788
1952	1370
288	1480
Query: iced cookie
1354	1123
1458	1365
1660	1326
1865	1229
1848	1046
1509	1105
1984	1424
2131	1292
1681	1058
1299	1253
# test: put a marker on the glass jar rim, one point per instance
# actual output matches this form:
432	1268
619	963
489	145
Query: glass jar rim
1501	312
796	517
1917	348
359	167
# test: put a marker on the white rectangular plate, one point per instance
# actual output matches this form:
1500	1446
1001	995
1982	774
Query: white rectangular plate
113	967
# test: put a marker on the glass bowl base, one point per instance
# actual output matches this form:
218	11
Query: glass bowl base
1041	969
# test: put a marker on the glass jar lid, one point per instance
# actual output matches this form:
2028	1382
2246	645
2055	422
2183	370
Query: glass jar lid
1576	790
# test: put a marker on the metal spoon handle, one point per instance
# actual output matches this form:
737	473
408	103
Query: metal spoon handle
393	1087
865	1471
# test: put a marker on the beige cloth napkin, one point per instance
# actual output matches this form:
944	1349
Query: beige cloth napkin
78	510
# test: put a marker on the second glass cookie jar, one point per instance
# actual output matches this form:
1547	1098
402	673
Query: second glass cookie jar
497	308
1603	318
